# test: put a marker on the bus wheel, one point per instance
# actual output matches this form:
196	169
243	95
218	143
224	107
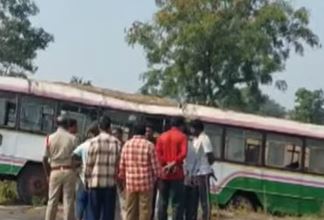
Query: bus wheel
32	184
244	202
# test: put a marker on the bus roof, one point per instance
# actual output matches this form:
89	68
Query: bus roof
154	105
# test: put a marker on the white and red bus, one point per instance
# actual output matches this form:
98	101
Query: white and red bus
271	163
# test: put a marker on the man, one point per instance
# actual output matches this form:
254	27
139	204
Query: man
72	126
101	172
171	151
119	210
191	193
139	169
81	154
119	134
59	167
149	135
200	170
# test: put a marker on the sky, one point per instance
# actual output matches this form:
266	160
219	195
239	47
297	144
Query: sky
90	43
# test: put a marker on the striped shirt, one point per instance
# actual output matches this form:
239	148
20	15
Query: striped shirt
138	165
101	165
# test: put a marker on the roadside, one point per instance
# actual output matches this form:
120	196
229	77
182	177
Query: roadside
37	213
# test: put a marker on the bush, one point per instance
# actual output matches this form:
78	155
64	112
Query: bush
8	194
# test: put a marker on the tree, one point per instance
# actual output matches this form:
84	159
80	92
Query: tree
207	51
19	40
309	106
75	80
270	107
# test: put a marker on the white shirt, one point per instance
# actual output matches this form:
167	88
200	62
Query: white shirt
82	151
202	146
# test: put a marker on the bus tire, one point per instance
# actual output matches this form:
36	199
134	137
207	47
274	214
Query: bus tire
32	183
244	201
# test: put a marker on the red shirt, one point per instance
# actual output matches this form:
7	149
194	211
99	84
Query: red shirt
172	146
138	165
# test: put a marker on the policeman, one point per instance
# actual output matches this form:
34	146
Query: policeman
59	169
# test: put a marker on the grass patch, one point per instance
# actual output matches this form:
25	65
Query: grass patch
8	193
38	201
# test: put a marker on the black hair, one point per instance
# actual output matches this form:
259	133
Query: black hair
198	125
119	130
62	121
149	125
71	122
93	129
177	122
104	122
139	129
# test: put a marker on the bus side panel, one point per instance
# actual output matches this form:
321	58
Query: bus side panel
18	147
282	197
312	195
9	163
234	179
30	146
277	191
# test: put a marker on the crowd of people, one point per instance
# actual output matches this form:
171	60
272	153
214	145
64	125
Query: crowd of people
107	177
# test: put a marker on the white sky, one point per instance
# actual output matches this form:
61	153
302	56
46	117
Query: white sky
90	43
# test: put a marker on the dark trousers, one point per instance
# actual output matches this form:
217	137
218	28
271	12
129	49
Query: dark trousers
154	201
191	202
175	190
204	190
195	195
102	203
81	202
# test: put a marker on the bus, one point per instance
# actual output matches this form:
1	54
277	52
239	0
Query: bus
28	109
261	162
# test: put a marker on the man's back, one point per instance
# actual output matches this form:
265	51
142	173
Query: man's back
138	164
102	161
60	146
172	147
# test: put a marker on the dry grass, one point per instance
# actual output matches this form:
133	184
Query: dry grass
8	194
238	215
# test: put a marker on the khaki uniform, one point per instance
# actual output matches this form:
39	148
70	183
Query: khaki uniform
60	146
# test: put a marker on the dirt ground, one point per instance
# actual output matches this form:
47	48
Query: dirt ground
37	213
23	213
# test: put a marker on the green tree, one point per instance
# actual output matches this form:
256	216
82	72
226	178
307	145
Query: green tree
309	106
19	40
270	107
75	80
207	51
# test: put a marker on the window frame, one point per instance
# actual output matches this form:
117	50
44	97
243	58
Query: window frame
221	127
263	149
301	167
55	105
304	156
256	164
17	102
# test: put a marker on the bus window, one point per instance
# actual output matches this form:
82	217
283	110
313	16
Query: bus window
37	114
283	151
83	115
8	110
122	118
243	146
314	156
215	133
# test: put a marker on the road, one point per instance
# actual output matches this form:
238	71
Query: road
22	213
37	213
